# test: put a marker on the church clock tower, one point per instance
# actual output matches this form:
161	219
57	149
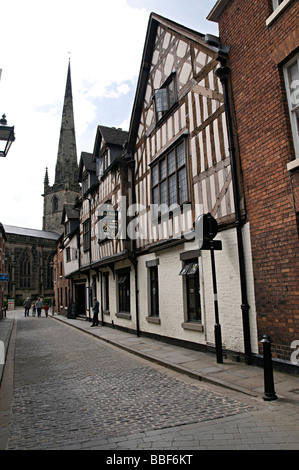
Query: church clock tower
66	187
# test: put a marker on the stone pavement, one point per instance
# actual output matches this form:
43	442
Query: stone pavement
236	376
5	332
249	422
203	366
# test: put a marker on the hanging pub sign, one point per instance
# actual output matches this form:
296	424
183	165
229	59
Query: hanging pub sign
4	277
107	222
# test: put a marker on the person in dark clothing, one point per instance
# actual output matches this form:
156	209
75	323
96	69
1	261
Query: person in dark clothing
39	306
27	305
95	309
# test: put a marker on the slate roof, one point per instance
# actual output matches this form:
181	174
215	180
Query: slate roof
29	232
86	159
113	136
71	212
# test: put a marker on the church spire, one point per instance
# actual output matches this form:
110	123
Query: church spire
46	179
67	165
66	187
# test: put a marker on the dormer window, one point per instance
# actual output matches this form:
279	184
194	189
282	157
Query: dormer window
165	97
102	164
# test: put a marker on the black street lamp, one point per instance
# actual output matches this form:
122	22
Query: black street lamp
7	136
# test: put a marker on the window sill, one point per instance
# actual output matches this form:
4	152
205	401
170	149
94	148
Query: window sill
153	320
192	326
293	164
125	315
277	12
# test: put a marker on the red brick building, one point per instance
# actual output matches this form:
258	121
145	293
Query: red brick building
62	292
263	36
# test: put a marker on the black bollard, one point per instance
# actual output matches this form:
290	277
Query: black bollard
269	392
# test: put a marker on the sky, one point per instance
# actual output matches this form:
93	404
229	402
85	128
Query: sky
104	42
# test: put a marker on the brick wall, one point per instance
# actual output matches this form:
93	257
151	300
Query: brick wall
257	54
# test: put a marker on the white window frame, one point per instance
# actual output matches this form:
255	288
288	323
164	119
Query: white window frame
292	90
276	3
166	97
277	10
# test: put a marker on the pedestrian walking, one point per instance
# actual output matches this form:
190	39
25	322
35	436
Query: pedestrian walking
33	309
95	309
39	306
46	308
27	305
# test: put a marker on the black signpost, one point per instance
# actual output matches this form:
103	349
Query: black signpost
207	228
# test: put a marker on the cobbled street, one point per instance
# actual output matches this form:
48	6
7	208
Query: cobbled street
72	391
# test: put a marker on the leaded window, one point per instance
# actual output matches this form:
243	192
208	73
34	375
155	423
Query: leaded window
165	97
169	179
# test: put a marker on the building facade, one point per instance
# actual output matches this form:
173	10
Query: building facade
28	262
139	247
178	137
264	81
213	135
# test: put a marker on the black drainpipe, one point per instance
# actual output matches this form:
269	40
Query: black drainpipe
132	255
223	74
135	261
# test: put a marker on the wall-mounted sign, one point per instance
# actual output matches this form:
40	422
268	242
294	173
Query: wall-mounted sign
108	223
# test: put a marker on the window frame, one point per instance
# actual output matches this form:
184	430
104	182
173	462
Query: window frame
102	164
276	3
85	183
106	304
124	291
163	99
154	296
86	235
165	175
190	273
293	107
277	8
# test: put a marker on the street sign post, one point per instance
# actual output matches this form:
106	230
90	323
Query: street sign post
206	228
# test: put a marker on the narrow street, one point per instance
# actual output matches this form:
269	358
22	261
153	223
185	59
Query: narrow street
72	391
